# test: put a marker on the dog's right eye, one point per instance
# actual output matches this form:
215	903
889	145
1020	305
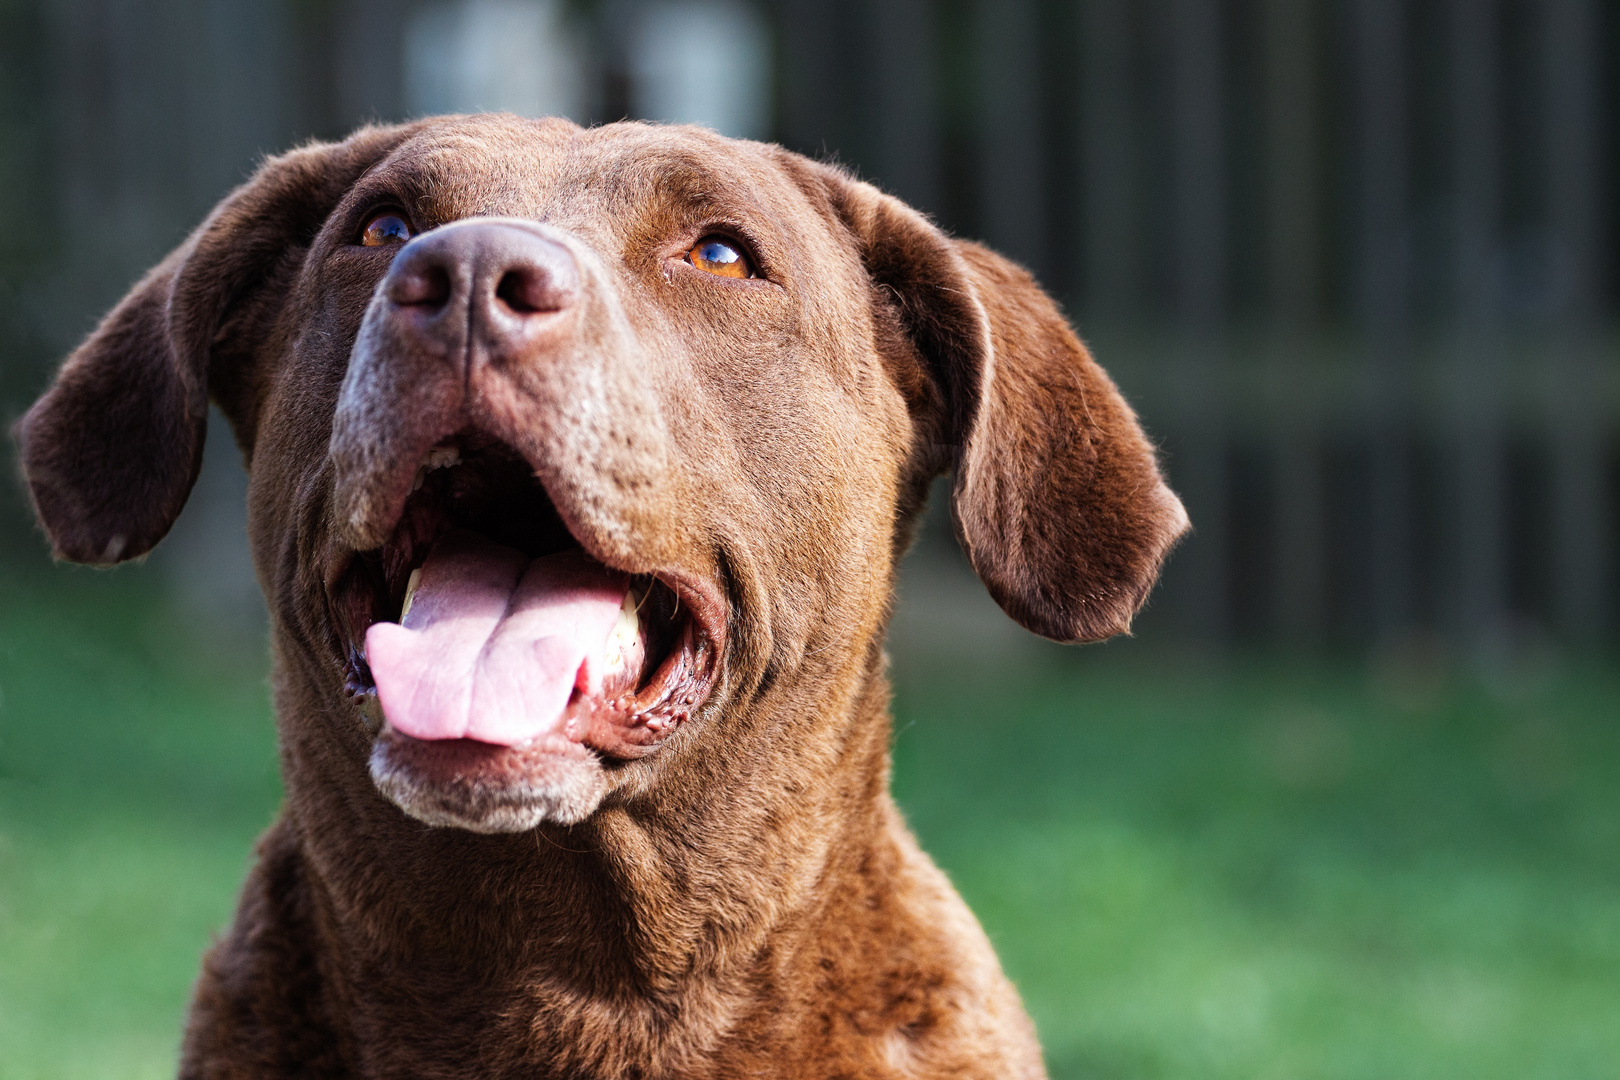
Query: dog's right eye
385	228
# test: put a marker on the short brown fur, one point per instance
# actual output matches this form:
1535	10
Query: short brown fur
745	900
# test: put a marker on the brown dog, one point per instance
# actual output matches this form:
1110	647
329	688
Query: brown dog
636	422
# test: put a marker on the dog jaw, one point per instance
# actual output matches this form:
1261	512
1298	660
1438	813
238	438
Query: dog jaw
483	788
652	669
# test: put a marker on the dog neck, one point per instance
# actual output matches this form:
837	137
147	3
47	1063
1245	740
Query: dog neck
597	939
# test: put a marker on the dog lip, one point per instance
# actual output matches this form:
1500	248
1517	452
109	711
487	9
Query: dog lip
702	598
481	787
680	685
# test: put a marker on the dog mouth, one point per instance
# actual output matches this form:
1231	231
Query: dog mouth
483	625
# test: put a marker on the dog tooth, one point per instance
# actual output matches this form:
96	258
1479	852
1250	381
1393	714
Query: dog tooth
442	457
410	592
421	475
624	631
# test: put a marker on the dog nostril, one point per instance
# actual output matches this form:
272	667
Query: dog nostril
530	291
427	286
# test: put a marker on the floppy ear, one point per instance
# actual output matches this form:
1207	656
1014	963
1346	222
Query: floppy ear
111	450
1057	498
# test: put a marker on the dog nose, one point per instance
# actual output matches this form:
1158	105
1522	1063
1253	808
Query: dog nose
501	283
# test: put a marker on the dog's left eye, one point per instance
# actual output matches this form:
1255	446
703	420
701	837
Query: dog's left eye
718	255
385	228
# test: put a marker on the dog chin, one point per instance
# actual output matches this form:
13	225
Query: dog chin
465	784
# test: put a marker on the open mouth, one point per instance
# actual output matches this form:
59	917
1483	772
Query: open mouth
483	620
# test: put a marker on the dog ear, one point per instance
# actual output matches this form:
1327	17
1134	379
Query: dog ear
111	450
1057	498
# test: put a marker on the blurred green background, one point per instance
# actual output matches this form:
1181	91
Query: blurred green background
1345	807
1244	868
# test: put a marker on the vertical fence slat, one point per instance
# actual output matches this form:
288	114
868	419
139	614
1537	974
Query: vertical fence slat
1198	132
1477	586
1381	282
808	77
370	82
1110	241
1292	269
906	151
1011	173
1581	544
1197	211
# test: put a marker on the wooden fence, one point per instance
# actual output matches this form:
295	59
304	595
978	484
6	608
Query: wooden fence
1353	259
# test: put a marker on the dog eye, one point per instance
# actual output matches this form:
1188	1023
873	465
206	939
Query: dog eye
717	255
386	228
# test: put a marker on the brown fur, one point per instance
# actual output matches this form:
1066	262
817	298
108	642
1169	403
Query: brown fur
744	899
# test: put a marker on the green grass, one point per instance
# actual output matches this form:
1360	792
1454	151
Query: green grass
1253	870
137	764
1283	872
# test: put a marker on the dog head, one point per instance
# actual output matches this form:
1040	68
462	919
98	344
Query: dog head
569	448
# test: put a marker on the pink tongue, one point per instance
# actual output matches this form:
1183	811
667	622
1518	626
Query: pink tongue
494	644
